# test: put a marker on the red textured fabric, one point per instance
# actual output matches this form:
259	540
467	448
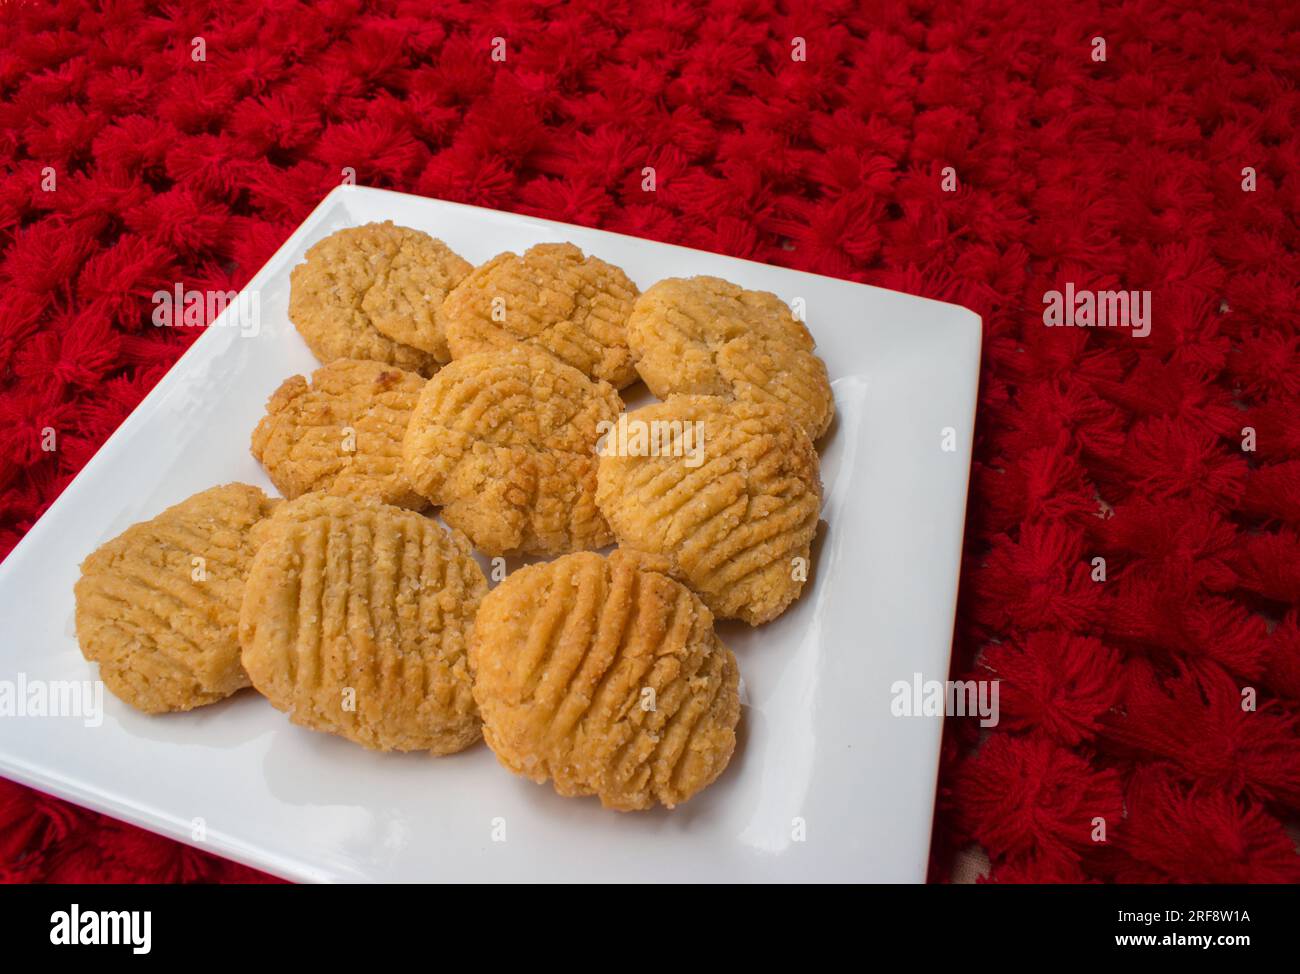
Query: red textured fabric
1121	699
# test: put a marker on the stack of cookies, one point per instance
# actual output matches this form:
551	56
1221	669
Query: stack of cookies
491	397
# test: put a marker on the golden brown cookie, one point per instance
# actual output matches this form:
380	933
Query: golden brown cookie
735	509
355	623
158	606
553	298
505	442
342	433
376	292
706	336
605	675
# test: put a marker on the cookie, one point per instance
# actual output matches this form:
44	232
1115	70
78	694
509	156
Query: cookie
505	442
732	500
709	337
405	301
605	676
342	433
355	623
552	298
158	606
376	292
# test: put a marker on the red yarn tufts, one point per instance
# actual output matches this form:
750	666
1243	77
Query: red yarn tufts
1181	834
377	154
1227	747
1269	565
44	257
1020	796
1038	867
181	221
1179	538
1282	674
1040	581
117	283
1274	492
1168	458
1054	682
1166	612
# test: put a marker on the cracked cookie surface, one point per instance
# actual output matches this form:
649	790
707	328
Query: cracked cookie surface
505	443
552	298
706	336
376	292
356	622
737	521
342	433
605	676
157	607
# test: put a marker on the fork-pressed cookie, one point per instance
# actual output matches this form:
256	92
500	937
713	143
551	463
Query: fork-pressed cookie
356	620
505	442
552	298
376	292
735	515
605	676
157	607
341	433
706	336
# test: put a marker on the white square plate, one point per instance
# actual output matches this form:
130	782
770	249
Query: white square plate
825	785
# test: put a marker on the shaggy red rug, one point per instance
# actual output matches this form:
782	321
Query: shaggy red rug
1144	145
